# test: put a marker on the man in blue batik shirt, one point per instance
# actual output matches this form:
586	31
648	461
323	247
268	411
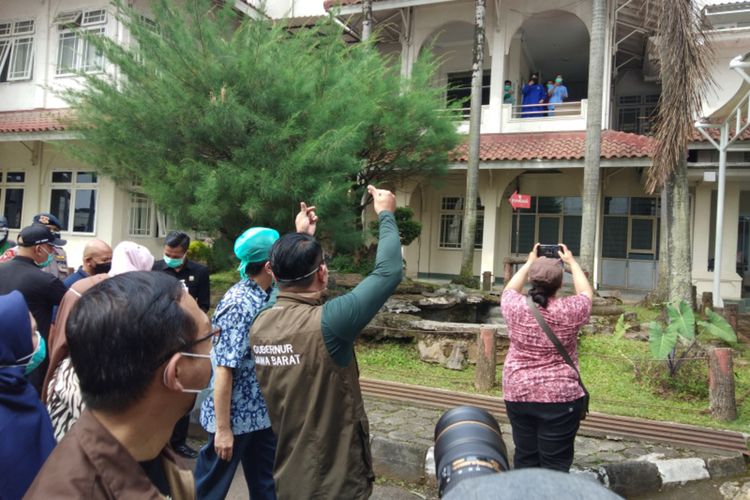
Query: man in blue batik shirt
234	413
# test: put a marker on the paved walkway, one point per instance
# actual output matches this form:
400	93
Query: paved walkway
402	437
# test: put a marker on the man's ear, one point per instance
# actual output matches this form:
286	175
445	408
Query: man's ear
268	269
172	373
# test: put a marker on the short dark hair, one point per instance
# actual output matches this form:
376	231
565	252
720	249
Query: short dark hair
293	256
508	81
254	268
121	331
176	239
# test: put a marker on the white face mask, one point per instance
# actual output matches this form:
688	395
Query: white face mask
192	355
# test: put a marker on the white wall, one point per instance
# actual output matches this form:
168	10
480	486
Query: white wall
292	8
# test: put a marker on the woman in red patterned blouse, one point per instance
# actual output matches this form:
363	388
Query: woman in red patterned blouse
542	395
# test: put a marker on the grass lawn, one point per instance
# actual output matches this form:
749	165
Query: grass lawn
612	380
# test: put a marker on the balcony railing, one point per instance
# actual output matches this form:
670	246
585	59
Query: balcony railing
563	116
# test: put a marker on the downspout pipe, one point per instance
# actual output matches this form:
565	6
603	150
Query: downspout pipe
718	240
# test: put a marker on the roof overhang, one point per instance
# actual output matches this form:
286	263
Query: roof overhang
381	5
39	136
531	165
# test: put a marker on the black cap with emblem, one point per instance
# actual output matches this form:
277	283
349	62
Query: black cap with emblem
37	234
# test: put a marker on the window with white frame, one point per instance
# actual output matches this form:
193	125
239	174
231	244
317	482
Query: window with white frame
142	215
16	50
549	220
74	51
73	200
451	222
11	196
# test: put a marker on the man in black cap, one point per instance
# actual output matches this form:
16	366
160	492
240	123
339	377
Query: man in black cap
42	291
59	265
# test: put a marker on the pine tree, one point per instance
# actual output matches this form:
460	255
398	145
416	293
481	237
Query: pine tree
227	122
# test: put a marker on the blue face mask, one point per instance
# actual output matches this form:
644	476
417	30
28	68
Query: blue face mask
173	263
33	360
46	262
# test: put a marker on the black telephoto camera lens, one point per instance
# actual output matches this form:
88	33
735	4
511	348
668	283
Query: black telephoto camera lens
468	443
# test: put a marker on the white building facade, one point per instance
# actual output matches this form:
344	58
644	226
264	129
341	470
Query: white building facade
541	154
534	153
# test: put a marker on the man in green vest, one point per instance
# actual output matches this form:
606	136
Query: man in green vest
304	359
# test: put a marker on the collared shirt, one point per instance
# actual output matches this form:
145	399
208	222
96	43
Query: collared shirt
76	276
59	265
91	463
196	278
42	291
534	371
234	315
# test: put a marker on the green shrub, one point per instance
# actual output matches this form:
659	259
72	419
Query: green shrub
345	263
199	251
408	229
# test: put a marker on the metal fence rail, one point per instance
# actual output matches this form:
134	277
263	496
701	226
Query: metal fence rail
595	423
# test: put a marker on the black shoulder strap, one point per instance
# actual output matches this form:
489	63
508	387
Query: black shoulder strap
553	338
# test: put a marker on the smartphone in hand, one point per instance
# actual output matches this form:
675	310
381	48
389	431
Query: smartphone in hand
549	251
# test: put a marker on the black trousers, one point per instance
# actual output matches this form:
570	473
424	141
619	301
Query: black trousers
544	433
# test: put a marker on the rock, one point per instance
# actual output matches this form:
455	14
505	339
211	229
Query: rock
432	352
636	335
630	478
681	470
735	491
391	326
398	306
474	299
719	467
457	359
609	294
631	318
441	302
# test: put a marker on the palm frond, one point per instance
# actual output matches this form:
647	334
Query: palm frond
684	55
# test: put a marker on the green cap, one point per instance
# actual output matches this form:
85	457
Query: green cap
254	245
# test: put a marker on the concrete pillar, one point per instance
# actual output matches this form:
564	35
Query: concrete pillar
729	247
489	197
701	228
496	41
407	41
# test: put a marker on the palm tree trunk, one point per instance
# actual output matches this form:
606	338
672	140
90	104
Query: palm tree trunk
678	223
683	56
591	177
660	294
366	19
475	122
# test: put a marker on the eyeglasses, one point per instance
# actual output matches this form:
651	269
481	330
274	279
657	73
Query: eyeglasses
182	350
213	333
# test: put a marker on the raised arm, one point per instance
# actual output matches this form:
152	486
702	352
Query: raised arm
580	281
519	279
344	317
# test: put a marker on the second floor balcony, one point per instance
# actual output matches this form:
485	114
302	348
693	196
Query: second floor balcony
511	118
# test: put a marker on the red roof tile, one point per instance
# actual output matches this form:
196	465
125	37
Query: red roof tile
35	120
715	132
556	146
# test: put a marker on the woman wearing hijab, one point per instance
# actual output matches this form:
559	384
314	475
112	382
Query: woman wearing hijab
61	391
26	437
543	393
